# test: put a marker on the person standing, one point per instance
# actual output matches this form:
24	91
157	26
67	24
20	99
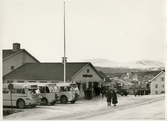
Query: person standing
135	92
109	97
77	92
114	98
102	92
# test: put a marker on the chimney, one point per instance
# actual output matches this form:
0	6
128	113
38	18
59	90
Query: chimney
16	47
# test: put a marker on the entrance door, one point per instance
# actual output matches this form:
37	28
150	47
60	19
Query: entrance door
79	86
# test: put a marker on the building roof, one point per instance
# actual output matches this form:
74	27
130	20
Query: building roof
107	81
47	71
10	53
163	71
104	77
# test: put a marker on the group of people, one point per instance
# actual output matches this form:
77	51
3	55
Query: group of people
111	97
138	92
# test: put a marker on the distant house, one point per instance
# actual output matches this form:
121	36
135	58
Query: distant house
14	58
129	76
83	74
157	83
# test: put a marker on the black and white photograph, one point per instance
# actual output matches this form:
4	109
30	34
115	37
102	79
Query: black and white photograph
83	59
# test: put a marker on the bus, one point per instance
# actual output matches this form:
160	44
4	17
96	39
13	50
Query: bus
67	93
23	95
49	93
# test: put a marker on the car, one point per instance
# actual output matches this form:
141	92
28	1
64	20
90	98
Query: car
122	92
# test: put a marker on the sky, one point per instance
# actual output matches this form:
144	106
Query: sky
117	30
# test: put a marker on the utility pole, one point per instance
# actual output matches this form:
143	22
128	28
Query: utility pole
64	58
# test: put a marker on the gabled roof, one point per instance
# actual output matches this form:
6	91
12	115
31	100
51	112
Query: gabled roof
10	53
104	76
163	71
46	71
88	63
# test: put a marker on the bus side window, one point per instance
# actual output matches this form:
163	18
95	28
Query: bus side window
14	91
61	88
5	90
47	90
23	91
18	91
68	88
41	90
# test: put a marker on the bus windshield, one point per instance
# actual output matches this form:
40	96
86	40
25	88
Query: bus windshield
53	89
31	91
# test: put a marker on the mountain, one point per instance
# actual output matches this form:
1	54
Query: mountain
103	62
145	64
141	64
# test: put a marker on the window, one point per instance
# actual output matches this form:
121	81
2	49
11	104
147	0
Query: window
163	86
9	81
44	89
162	79
43	81
32	81
156	86
87	70
12	67
64	89
5	90
20	81
156	92
18	91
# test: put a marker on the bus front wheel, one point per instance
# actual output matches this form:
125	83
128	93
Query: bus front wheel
63	100
44	101
21	104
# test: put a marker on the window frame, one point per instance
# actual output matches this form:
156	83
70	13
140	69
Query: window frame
156	85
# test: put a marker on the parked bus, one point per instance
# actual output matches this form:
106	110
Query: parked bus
67	93
23	95
49	93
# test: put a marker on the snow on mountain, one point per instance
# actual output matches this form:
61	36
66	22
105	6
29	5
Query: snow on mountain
143	64
103	62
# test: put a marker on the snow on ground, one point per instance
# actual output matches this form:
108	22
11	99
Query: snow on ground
83	109
152	111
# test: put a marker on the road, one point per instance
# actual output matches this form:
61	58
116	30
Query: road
130	107
142	111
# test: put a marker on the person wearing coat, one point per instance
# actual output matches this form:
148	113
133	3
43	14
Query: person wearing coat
109	98
114	98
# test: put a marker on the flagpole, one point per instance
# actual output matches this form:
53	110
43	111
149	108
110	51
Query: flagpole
64	48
